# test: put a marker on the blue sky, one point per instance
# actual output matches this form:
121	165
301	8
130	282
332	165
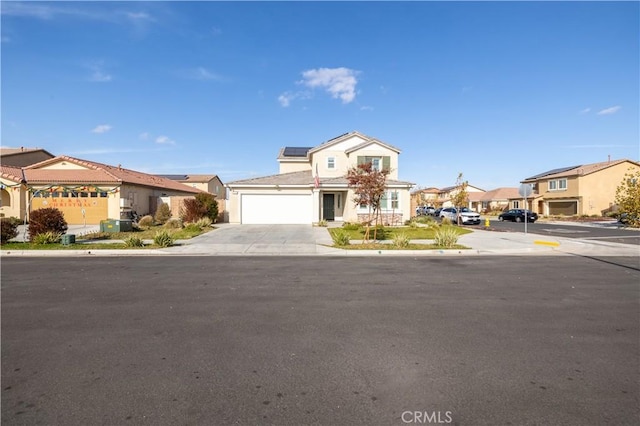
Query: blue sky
498	91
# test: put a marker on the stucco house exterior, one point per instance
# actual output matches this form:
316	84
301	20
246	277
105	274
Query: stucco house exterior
587	189
85	191
311	185
208	183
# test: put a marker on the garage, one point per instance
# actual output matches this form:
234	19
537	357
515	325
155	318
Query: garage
276	209
566	208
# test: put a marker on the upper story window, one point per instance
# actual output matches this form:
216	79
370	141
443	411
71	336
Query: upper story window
331	163
558	185
376	163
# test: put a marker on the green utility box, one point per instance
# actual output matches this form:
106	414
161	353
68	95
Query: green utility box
68	239
116	225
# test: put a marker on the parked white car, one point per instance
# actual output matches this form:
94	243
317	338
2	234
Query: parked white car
467	216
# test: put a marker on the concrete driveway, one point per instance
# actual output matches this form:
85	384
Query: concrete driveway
258	239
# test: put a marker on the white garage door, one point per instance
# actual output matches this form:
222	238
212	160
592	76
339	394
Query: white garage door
276	209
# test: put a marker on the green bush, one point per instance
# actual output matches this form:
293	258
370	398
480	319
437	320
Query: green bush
46	220
401	240
350	226
340	238
8	228
133	242
322	223
46	238
163	239
209	204
446	221
163	214
146	221
174	223
379	231
446	237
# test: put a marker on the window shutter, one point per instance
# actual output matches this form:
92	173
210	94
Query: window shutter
361	160
386	163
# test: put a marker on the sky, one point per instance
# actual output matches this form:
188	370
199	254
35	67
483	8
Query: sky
497	91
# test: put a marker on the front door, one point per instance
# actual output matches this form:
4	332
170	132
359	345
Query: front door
328	212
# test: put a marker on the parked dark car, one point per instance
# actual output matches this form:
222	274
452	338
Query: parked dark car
517	215
437	211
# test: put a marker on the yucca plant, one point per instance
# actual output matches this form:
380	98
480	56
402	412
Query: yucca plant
446	236
401	240
163	239
46	238
133	242
340	238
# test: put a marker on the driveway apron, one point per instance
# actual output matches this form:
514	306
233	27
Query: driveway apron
257	239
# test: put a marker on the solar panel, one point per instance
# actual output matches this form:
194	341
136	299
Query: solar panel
295	151
552	172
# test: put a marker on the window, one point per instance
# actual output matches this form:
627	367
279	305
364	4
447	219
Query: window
516	204
558	185
331	162
394	199
375	163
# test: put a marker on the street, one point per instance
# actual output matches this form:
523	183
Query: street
320	340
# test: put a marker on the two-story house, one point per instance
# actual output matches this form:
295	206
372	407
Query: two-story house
312	185
588	189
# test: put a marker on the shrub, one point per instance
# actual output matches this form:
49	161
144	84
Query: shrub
192	210
48	237
413	224
192	227
163	239
379	231
322	223
446	221
173	223
204	222
209	204
146	221
8	228
446	237
401	240
350	226
133	242
163	214
340	237
46	220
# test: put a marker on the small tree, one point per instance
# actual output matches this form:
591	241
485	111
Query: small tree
46	220
461	198
208	201
369	186
163	214
192	210
628	197
8	228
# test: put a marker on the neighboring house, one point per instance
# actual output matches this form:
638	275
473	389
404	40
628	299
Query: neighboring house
208	183
21	157
312	185
495	199
588	189
424	197
445	195
85	191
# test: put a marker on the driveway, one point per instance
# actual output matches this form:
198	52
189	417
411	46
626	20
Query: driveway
258	239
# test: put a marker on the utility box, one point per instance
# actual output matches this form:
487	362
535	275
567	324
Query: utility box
68	239
116	225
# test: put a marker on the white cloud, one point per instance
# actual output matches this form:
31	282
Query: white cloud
366	108
339	82
585	111
98	74
143	136
610	110
165	140
286	98
101	128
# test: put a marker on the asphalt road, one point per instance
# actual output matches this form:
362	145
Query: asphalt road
327	341
611	233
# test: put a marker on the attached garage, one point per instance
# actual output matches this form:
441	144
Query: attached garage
566	208
276	209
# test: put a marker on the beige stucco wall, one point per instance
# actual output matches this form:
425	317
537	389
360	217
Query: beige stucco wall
345	161
13	200
290	167
598	190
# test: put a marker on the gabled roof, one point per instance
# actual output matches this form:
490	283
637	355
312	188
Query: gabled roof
454	187
302	178
11	173
582	170
431	190
190	178
97	173
296	153
6	152
367	141
499	194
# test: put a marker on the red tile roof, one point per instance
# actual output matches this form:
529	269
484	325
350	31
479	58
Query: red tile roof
98	173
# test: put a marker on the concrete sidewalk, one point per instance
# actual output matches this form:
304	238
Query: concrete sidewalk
316	241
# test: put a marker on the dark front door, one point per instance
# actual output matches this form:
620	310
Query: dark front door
328	212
